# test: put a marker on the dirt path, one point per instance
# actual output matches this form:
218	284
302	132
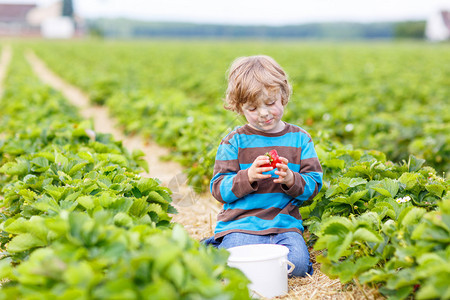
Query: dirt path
5	59
196	212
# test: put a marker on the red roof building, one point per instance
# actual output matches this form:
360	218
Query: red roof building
13	20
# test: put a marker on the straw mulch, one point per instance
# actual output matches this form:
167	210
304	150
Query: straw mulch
198	214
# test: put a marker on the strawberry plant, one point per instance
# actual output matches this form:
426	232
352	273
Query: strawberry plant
78	222
90	257
367	220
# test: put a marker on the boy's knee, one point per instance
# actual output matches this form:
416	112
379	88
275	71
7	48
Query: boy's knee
302	264
302	269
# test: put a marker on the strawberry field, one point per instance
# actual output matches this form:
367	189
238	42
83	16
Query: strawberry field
79	222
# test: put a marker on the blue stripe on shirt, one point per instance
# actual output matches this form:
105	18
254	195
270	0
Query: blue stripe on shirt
225	188
308	152
290	139
293	167
226	152
253	223
261	201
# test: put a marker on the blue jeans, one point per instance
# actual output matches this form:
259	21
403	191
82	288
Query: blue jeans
298	252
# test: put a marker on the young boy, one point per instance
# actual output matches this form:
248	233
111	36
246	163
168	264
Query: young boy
261	204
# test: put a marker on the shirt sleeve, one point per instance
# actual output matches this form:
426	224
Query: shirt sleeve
229	182
308	181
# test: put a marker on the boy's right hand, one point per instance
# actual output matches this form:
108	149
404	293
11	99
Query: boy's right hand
255	172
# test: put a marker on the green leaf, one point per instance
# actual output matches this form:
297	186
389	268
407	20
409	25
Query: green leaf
334	163
86	156
384	209
55	192
157	198
122	219
146	185
86	201
39	164
336	226
375	276
20	167
411	216
6	269
61	160
356	196
160	289
350	269
436	189
180	236
356	181
46	204
414	163
77	167
79	275
28	195
337	246
24	241
117	159
368	235
17	226
387	187
139	207
409	179
176	274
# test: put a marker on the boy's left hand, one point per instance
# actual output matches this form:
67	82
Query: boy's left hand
286	174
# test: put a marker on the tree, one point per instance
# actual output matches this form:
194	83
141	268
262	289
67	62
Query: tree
411	30
67	8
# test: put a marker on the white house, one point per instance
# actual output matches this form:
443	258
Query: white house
51	21
438	26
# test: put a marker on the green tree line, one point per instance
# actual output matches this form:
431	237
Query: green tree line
124	28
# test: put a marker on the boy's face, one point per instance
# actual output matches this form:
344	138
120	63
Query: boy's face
266	113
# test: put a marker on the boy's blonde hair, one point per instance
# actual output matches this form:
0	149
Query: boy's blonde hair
249	77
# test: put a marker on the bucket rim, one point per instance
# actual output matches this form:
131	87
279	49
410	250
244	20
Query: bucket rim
284	249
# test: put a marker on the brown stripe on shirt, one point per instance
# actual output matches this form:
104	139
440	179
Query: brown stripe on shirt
248	155
298	188
268	186
215	189
310	165
262	232
226	140
226	166
262	213
246	129
241	184
316	191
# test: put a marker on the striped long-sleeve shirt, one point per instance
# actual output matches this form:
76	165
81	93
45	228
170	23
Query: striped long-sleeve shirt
263	207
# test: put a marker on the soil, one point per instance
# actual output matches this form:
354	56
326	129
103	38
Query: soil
5	58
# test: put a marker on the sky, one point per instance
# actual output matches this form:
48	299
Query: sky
257	12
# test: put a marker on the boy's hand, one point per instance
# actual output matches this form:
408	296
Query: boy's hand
286	174
255	172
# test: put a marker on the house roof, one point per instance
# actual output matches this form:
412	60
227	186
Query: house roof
15	12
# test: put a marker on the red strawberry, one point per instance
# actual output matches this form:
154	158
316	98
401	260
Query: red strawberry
274	159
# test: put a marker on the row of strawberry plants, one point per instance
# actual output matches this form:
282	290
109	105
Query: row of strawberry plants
78	222
382	224
365	96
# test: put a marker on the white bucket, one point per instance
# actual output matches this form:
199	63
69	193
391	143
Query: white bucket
265	265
